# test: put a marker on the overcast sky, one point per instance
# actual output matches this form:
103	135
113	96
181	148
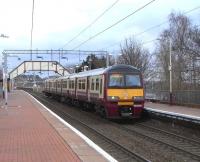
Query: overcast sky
58	21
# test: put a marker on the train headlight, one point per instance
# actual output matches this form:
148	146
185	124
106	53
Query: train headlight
138	98
113	98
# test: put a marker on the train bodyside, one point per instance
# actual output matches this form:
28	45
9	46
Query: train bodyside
114	92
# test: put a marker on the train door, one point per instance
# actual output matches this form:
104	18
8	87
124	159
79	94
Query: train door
76	87
101	86
56	86
61	87
88	88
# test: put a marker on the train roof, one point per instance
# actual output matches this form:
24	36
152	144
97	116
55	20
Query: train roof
111	69
115	68
123	68
63	77
89	73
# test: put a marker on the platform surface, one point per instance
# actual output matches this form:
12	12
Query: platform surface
28	132
174	108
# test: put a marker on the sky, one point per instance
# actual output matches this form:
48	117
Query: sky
58	21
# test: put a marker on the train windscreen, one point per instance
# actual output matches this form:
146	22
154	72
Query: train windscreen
133	81
116	80
120	80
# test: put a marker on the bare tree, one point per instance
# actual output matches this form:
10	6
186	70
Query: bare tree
185	49
134	54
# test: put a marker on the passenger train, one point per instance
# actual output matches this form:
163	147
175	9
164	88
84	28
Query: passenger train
115	92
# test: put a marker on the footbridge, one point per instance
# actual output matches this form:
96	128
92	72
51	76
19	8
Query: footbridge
38	66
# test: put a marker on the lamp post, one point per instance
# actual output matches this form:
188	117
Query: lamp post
77	66
5	67
170	71
108	59
5	86
115	58
5	75
90	63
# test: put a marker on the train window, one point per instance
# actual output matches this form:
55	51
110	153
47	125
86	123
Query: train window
97	84
133	80
92	87
100	86
70	84
79	84
88	84
116	80
61	83
83	84
64	84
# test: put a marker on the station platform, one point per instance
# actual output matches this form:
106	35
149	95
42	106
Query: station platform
174	110
29	132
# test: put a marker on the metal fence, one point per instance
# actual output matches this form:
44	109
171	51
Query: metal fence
183	97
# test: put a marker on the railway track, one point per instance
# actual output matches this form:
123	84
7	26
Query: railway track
178	144
187	145
171	143
112	147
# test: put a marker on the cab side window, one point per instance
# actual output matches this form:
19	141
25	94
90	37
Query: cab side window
97	84
101	84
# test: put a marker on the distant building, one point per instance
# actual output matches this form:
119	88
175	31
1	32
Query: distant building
27	81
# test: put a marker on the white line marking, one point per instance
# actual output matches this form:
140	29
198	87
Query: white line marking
86	139
173	113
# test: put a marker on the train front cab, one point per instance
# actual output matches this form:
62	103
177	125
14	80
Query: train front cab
124	93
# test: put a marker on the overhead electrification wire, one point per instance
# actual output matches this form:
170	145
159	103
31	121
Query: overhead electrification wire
93	22
153	40
153	27
31	43
119	21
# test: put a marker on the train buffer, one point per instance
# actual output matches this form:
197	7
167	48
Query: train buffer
29	132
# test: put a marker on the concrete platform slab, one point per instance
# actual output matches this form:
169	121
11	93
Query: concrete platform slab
174	108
